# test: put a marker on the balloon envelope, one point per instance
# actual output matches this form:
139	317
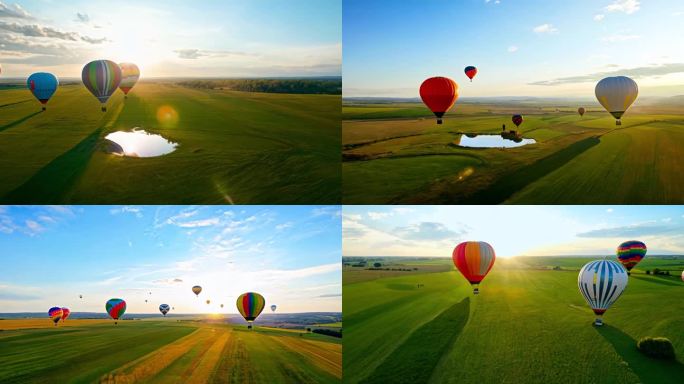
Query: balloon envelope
273	308
601	282
250	305
55	314
196	290
208	301
616	94
65	313
470	71
43	85
580	110
164	309
474	259
630	253
102	78
439	94
129	76
115	308
517	120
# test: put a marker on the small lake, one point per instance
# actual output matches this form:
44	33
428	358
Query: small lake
492	141
139	143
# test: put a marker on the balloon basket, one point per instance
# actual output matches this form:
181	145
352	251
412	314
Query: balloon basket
44	109
439	121
104	109
618	122
598	322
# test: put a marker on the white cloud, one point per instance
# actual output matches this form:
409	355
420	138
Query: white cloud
13	11
619	38
378	215
545	28
198	223
127	209
513	48
283	226
626	6
599	17
609	210
33	226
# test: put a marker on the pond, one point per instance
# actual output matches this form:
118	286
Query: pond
491	141
139	143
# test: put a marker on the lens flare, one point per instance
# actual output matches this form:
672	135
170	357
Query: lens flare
167	116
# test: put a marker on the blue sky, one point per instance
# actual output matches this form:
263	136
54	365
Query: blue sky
173	38
50	255
564	47
511	230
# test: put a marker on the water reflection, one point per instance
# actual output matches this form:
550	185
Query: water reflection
492	141
138	143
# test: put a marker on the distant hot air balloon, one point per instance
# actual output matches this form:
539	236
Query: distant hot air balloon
164	309
517	120
55	314
601	282
146	301
43	85
65	313
250	305
208	301
129	76
273	308
221	305
150	293
682	275
630	253
580	110
80	296
196	290
474	259
115	308
102	78
439	94
616	94
470	71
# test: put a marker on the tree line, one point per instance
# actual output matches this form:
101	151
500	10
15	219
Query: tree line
300	86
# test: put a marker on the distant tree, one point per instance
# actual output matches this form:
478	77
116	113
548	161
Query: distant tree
377	265
657	347
648	271
328	332
308	329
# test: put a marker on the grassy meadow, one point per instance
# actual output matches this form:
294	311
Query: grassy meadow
528	324
162	352
233	147
395	153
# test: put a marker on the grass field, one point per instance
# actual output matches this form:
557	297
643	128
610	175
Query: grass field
528	324
234	147
164	352
395	153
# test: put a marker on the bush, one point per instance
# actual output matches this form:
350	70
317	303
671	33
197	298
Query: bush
328	332
377	265
656	347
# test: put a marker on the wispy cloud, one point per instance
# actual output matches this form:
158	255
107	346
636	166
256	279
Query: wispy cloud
428	231
512	49
638	72
545	29
35	30
599	17
625	6
616	38
13	11
138	212
82	17
642	229
192	54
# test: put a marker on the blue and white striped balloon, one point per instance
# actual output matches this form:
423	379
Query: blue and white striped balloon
164	309
601	282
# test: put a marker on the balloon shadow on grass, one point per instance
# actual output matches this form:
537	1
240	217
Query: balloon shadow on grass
415	360
648	369
19	121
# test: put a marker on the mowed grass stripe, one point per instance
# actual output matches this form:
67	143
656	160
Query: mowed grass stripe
234	365
326	356
206	366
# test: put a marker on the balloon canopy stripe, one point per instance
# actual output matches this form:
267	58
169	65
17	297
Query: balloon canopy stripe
474	259
250	305
601	282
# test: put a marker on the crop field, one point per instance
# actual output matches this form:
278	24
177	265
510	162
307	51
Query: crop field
164	351
528	324
233	147
395	153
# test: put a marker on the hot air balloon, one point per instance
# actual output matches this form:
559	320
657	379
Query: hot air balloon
146	301
101	77
630	253
65	313
208	301
470	71
580	110
196	290
129	76
250	305
55	314
115	308
221	305
474	259
616	94
164	309
682	275
80	296
43	85
273	308
517	120
439	94
601	282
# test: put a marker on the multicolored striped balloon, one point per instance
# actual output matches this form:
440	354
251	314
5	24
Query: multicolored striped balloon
601	282
196	290
474	259
102	78
115	308
55	314
43	85
130	73
250	305
630	253
65	313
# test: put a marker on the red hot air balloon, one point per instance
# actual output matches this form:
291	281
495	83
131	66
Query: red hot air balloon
474	259
65	313
439	94
517	120
470	71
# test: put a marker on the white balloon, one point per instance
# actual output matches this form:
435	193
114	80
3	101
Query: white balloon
616	94
601	282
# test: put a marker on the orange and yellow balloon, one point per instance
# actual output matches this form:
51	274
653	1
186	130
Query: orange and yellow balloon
474	259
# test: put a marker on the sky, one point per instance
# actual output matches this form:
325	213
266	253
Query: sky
542	48
222	38
52	254
512	230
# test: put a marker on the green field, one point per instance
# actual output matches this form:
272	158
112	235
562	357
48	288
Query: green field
529	324
166	352
395	153
234	147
